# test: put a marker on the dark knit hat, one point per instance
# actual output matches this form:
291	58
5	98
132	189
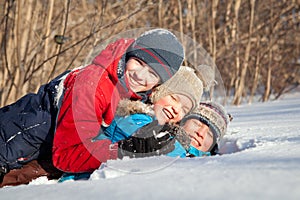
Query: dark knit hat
160	49
214	116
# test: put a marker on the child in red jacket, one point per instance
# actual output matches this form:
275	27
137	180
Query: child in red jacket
73	106
125	69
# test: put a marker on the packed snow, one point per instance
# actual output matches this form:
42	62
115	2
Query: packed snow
260	160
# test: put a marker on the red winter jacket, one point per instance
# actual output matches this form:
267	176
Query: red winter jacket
91	95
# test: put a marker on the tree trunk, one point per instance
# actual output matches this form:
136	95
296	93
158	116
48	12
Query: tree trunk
241	86
256	74
235	37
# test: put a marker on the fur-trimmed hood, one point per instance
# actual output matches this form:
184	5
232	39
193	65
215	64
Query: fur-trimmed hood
127	107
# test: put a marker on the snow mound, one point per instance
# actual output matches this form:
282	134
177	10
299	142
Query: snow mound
117	168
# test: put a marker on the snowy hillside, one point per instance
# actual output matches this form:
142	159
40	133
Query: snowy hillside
261	160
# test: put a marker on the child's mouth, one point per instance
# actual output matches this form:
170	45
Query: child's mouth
167	113
134	81
196	141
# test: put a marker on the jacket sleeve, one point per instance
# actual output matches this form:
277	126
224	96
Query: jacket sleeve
84	106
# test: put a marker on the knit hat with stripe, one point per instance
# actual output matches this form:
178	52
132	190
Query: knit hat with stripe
161	50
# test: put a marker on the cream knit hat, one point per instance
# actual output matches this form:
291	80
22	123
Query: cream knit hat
184	82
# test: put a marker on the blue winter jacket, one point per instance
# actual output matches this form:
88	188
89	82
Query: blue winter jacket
27	126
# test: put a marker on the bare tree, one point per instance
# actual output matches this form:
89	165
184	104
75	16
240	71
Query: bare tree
254	44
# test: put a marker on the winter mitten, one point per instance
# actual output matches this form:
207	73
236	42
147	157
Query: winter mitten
123	127
152	139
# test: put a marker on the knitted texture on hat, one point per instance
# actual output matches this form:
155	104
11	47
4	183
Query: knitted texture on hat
184	82
207	75
161	50
214	116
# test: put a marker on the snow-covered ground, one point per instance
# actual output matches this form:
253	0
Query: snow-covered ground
261	160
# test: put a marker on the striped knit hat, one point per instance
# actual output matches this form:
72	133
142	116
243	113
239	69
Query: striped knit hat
214	116
161	50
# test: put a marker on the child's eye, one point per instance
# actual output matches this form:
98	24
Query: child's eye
197	123
138	61
153	74
185	110
173	97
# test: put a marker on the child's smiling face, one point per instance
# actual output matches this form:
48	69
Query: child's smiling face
140	76
172	108
200	134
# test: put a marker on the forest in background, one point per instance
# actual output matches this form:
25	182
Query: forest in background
254	44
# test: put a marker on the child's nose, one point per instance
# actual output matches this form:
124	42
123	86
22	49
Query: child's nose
202	132
176	108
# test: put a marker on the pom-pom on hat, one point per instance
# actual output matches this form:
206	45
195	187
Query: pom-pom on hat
214	116
161	50
184	82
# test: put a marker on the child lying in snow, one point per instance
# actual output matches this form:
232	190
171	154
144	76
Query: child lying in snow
206	126
126	68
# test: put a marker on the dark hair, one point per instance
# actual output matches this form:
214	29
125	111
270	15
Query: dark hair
214	150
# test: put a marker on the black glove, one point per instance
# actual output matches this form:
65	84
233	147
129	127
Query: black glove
151	140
